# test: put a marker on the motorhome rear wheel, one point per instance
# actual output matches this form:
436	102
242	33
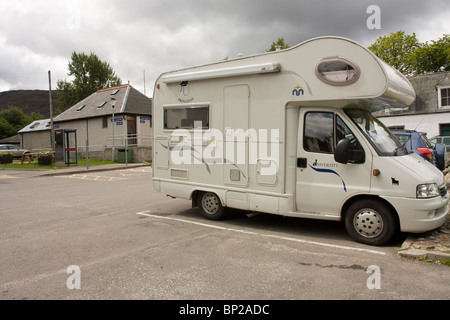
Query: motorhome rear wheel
210	206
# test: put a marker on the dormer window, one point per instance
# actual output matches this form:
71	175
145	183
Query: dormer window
444	97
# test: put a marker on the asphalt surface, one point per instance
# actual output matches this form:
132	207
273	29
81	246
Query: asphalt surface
433	246
131	242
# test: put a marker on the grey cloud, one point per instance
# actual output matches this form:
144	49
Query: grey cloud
158	36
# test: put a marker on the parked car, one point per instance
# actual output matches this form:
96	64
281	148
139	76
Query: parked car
441	139
445	140
419	143
14	150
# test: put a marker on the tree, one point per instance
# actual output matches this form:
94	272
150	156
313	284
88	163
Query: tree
90	74
12	119
279	43
6	129
433	57
397	50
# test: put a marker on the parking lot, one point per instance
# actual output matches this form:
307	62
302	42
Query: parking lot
109	235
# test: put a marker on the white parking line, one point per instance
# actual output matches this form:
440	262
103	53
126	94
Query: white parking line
91	177
147	214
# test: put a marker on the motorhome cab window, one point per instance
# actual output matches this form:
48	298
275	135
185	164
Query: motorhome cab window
384	142
337	71
318	132
324	130
186	117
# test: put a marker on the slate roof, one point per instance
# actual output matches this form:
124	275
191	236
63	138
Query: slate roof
426	91
426	87
37	125
127	101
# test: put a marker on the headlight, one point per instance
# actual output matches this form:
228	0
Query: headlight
428	190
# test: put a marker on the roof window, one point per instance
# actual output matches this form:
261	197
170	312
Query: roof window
101	105
81	108
36	124
114	92
337	71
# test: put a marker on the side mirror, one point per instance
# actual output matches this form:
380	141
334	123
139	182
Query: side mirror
341	151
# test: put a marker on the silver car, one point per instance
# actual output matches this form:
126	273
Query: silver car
14	150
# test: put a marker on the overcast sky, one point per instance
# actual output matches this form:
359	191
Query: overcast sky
154	36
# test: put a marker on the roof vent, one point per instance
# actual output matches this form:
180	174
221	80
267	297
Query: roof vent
337	71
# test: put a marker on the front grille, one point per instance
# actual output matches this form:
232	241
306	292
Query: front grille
443	191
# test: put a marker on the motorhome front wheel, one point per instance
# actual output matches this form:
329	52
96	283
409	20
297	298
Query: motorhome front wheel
210	206
371	222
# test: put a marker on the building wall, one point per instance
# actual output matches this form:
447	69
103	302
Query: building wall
38	140
100	137
94	127
428	123
424	114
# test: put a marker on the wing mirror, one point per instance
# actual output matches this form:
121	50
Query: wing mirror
343	154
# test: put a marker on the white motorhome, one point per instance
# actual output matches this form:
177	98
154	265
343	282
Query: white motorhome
290	132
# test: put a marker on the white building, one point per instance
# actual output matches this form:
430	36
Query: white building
97	129
430	112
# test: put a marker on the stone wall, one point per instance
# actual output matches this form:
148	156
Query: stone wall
140	154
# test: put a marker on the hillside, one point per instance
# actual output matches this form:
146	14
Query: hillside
29	101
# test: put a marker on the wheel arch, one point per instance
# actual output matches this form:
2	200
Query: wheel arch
196	192
356	198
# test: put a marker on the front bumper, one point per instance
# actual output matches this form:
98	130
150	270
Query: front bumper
420	215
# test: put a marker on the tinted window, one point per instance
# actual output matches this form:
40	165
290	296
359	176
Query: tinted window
185	117
403	138
318	136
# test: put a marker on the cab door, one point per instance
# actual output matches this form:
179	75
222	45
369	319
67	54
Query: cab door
322	184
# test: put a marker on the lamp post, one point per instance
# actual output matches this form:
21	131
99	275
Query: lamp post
113	103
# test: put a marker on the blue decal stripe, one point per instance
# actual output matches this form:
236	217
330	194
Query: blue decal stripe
330	171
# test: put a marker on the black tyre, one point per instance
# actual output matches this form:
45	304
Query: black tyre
441	156
210	206
370	222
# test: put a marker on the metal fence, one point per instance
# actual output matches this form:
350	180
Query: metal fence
117	142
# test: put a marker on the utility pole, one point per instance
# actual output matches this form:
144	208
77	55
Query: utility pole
87	144
52	131
144	82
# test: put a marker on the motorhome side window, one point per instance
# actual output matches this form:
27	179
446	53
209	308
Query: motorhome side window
186	117
323	132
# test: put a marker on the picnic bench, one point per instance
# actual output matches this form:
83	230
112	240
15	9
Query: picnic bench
29	157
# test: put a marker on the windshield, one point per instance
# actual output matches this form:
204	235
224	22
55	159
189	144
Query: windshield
384	142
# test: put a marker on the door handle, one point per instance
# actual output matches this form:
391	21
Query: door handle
301	162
